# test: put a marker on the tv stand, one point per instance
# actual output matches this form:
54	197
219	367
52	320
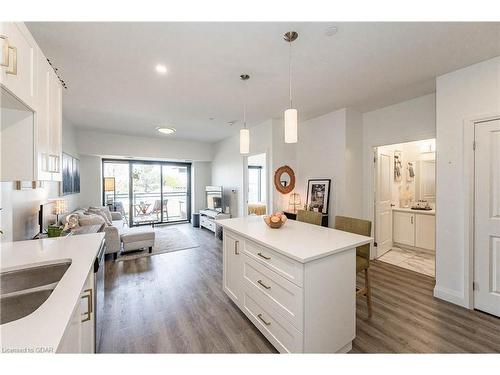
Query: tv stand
208	218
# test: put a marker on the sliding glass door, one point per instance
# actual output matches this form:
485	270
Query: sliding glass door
157	192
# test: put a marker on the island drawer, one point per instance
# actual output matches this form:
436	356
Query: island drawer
282	265
281	333
283	295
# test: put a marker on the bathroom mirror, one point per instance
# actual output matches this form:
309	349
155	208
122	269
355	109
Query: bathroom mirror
284	179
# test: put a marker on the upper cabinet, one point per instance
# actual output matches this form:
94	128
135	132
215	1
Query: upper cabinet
18	62
31	131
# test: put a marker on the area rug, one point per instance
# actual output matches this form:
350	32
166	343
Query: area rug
166	240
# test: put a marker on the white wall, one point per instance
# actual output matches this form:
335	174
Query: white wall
407	121
228	164
102	144
201	173
91	180
469	93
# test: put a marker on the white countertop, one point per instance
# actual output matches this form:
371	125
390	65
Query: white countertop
46	325
420	212
300	241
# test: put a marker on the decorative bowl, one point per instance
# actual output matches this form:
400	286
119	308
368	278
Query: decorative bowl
275	220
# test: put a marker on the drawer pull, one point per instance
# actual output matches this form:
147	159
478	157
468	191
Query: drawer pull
236	243
263	256
264	285
262	319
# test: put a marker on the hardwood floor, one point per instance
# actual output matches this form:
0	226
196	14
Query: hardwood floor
174	303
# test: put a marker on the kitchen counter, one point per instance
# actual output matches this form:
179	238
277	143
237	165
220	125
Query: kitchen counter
299	241
43	329
420	212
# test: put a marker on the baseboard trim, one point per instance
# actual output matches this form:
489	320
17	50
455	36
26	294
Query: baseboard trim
451	296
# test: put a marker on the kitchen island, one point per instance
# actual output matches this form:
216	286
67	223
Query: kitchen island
62	268
296	284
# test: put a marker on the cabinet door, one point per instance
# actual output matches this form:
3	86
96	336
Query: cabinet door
233	267
87	338
42	120
71	342
425	231
404	228
428	179
55	127
19	77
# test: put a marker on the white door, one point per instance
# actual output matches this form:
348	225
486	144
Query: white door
404	228
487	218
383	214
428	180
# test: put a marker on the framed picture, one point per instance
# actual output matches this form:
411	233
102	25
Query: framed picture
70	175
318	195
67	174
398	166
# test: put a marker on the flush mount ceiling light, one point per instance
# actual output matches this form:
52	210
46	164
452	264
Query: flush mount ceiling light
331	30
290	113
167	131
244	133
161	69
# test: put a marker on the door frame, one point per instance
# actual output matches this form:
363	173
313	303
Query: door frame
160	163
469	206
269	191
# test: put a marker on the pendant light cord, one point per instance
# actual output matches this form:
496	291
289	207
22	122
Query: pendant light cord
245	105
290	72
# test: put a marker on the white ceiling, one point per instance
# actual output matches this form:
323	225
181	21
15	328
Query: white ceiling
113	86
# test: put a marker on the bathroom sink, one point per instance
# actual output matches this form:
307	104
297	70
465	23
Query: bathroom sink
25	290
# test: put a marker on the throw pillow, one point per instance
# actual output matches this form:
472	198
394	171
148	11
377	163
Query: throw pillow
91	219
105	210
99	212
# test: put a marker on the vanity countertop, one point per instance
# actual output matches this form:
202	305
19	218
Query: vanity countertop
44	328
420	212
300	241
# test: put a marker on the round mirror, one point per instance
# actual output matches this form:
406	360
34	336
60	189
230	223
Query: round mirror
284	179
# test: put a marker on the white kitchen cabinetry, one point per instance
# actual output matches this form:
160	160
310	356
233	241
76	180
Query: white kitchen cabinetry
31	132
414	229
404	228
232	266
79	336
18	62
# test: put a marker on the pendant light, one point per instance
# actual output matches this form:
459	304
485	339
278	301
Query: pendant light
244	133
290	113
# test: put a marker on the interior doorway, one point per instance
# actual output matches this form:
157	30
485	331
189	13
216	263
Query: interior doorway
256	181
405	205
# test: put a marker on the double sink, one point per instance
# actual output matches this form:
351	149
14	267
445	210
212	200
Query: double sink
25	290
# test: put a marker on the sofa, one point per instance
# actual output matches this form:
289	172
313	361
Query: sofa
112	233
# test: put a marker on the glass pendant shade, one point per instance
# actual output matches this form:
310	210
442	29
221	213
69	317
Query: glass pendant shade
244	141
291	125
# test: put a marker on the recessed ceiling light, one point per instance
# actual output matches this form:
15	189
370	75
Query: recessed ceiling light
161	69
166	130
331	30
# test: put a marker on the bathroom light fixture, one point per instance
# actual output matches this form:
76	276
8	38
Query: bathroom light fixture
244	133
290	113
161	69
167	131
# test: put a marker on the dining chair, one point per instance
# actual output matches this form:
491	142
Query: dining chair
362	227
310	217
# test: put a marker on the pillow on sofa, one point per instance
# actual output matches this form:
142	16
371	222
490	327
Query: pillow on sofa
105	211
91	219
99	212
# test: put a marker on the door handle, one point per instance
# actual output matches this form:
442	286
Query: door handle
411	219
13	71
262	319
5	51
263	256
89	304
393	205
236	243
264	285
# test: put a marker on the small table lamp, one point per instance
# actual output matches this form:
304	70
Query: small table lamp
60	207
294	201
109	186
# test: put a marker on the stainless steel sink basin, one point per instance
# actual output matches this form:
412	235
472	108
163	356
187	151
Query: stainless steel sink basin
25	290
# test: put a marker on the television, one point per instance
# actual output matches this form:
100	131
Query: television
46	216
214	198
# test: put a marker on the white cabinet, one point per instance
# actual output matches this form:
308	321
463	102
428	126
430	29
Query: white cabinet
232	266
425	231
428	180
414	229
31	102
404	228
79	336
18	60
